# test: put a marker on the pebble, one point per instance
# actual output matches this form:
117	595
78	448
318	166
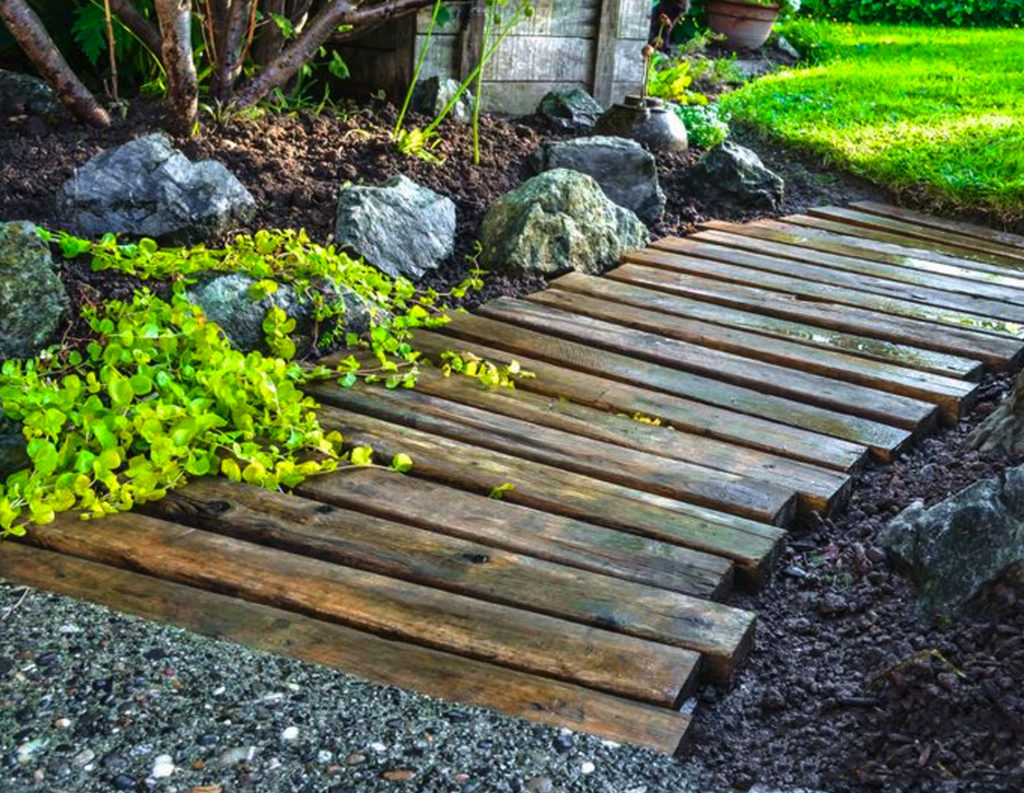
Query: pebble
239	754
588	768
540	784
163	766
290	734
84	757
324	756
355	759
62	723
398	775
122	782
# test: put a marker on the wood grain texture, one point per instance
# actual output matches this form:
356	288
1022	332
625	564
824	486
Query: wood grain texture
355	539
744	290
626	666
951	395
750	545
364	655
767	325
964	229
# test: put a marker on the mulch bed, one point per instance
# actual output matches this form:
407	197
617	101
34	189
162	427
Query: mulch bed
847	690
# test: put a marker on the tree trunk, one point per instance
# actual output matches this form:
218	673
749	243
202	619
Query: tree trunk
27	29
316	34
231	24
142	28
176	53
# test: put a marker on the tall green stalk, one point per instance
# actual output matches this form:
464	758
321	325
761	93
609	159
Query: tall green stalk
491	16
418	69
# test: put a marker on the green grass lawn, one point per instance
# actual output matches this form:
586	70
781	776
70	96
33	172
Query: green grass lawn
935	112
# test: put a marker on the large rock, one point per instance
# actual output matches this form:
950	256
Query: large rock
147	188
32	298
556	222
1003	429
432	95
627	172
25	95
228	299
733	178
400	228
962	545
572	111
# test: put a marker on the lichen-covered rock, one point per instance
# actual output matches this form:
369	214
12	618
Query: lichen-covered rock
558	221
147	188
432	95
229	300
25	95
32	298
733	178
1003	429
626	171
572	111
400	228
960	546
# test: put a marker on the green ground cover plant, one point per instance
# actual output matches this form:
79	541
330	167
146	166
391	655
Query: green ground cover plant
957	13
934	113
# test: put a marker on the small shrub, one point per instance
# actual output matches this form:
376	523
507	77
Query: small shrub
706	125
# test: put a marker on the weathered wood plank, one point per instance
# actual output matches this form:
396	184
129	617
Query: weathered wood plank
502	524
801	333
364	655
964	229
766	238
355	539
744	290
981	313
748	544
951	395
820	489
939	239
627	666
725	424
676	479
607	29
868	404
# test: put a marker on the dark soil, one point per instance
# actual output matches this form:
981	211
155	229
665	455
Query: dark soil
847	688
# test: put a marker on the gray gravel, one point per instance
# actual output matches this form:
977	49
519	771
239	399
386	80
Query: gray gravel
92	700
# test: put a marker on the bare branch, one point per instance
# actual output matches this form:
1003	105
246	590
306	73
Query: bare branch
132	18
27	29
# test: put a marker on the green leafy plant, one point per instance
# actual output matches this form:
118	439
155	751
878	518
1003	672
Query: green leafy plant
706	125
950	13
670	79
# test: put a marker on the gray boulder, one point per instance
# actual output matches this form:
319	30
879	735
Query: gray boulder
1003	429
556	222
25	95
400	228
572	111
228	300
432	95
960	546
732	177
626	171
147	188
32	298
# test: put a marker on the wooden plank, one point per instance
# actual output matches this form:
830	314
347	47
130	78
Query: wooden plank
940	239
821	489
471	38
364	655
882	440
355	539
769	238
801	333
502	524
675	479
601	393
623	665
868	404
983	314
605	51
964	229
817	240
748	544
949	394
896	241
745	291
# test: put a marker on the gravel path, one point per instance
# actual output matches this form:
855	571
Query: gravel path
91	700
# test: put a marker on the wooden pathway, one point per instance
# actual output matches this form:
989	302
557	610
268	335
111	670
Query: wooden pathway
686	408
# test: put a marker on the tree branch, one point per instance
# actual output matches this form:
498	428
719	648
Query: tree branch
27	29
143	29
316	34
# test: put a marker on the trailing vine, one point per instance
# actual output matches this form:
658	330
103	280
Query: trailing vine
157	394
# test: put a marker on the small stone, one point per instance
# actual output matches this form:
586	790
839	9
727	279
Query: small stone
398	775
62	723
239	754
355	759
572	111
832	604
208	739
432	95
123	782
562	743
324	756
733	178
83	758
540	784
163	766
588	768
378	747
290	734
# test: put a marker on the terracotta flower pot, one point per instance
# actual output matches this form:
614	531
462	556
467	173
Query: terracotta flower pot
745	25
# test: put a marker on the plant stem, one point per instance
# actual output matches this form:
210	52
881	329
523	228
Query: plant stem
416	71
488	30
